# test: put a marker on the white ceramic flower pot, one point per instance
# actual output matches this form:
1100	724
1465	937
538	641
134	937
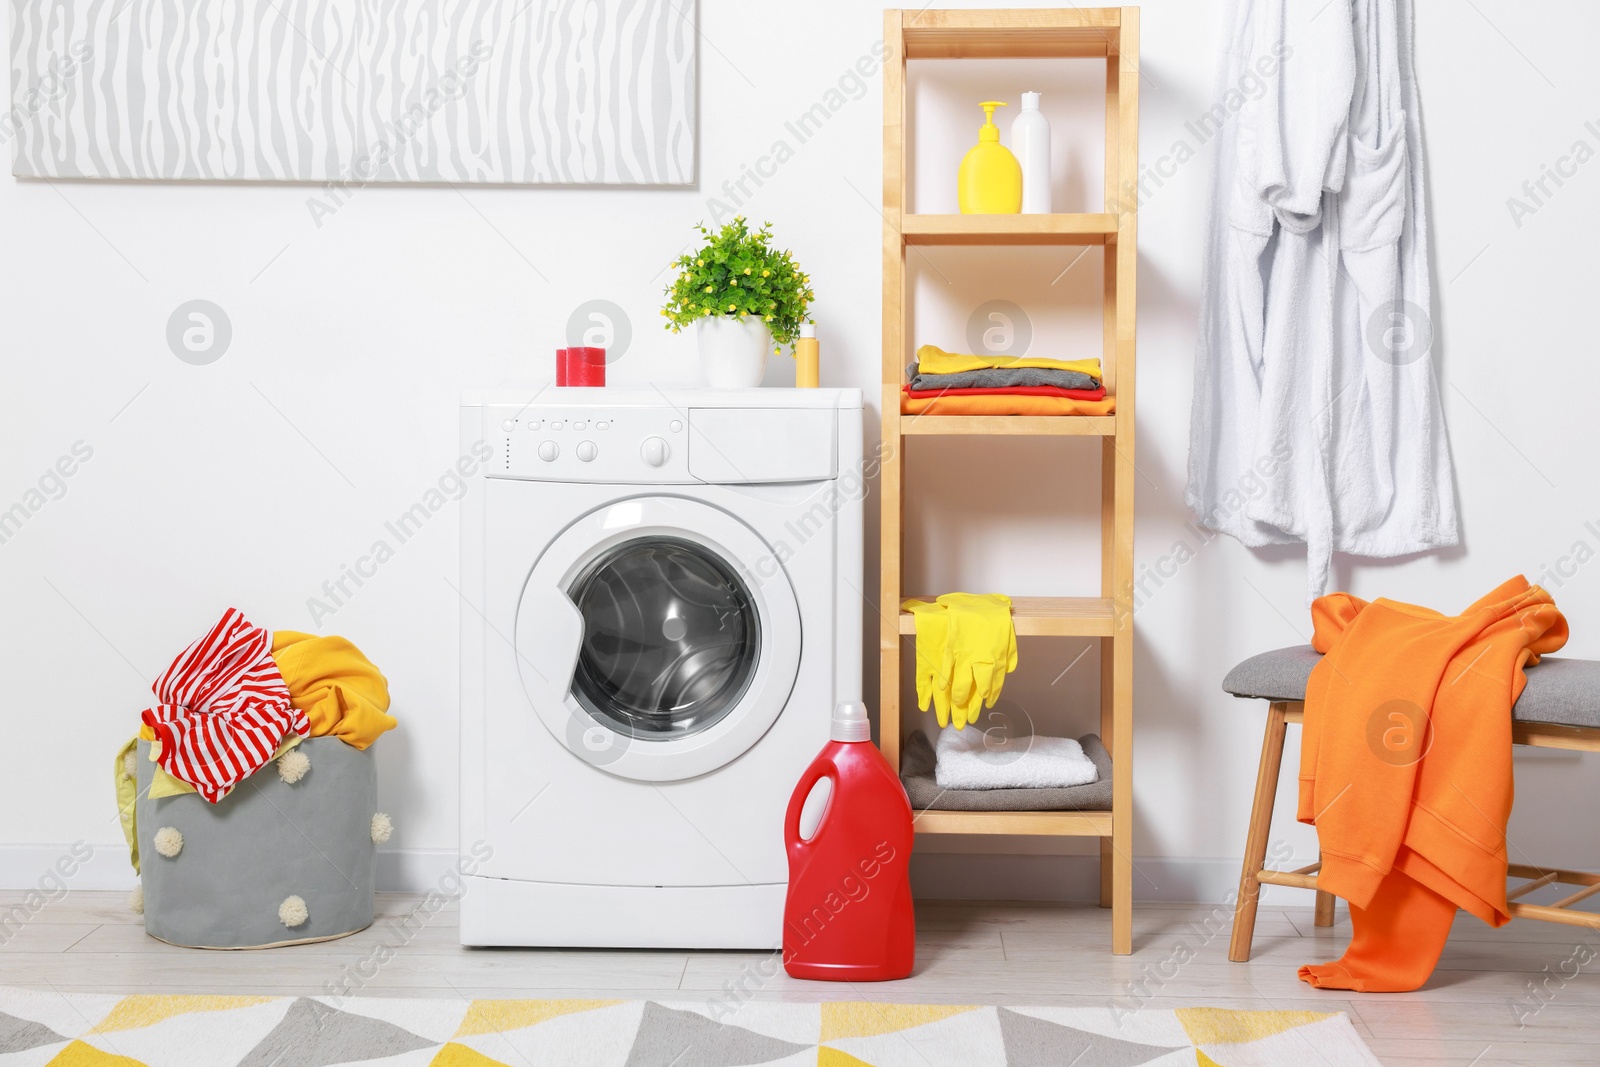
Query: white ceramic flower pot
733	350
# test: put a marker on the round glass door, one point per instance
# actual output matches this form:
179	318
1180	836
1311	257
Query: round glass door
671	638
658	637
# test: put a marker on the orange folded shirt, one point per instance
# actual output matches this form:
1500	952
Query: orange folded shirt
1004	404
1405	769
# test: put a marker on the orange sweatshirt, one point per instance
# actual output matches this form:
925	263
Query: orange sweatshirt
1405	763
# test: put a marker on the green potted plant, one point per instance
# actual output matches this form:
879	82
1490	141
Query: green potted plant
742	296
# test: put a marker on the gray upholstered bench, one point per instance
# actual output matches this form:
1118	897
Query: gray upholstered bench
1559	708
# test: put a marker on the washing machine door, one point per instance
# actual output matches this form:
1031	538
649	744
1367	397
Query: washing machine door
658	638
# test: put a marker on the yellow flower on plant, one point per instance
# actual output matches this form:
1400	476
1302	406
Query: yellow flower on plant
747	271
731	307
766	274
708	288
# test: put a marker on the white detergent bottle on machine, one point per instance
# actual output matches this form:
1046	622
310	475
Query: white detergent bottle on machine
1030	139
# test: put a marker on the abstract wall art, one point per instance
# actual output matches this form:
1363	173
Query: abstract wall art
504	91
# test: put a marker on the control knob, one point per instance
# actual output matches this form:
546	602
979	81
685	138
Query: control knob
654	451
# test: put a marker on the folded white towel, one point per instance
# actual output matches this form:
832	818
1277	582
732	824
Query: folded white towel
993	759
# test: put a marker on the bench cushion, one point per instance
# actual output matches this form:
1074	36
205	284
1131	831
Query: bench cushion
1564	692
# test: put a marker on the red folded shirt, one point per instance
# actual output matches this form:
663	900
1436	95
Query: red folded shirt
1013	390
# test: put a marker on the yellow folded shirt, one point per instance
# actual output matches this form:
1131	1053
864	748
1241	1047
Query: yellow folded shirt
932	359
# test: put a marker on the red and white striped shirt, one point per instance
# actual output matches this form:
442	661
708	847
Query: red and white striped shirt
224	709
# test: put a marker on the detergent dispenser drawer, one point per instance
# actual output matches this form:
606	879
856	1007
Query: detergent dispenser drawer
731	446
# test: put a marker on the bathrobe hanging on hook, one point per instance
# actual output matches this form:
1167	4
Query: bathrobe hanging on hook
1316	413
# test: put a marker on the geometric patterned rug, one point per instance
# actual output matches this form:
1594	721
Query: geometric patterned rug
92	1030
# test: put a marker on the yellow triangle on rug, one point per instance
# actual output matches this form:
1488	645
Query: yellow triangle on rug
832	1057
1224	1026
79	1054
498	1016
866	1019
454	1055
133	1012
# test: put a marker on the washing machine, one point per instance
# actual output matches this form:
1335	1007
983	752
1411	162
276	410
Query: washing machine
660	606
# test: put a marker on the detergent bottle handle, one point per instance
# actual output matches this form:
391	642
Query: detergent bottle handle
822	767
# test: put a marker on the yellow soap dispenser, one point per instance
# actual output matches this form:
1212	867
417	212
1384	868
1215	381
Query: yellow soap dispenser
990	179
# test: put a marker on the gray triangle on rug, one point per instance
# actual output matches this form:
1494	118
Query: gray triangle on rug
19	1035
669	1037
1031	1042
311	1034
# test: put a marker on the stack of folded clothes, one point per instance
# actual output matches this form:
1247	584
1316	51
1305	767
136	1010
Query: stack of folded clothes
950	383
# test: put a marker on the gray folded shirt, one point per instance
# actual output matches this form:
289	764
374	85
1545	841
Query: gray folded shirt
1001	378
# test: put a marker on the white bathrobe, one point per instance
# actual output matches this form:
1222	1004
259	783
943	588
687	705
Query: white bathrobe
1316	414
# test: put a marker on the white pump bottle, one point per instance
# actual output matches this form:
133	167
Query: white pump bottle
1030	140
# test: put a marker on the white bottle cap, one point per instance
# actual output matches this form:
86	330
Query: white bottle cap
1030	101
808	329
850	722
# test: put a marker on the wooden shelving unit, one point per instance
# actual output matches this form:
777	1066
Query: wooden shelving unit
1110	35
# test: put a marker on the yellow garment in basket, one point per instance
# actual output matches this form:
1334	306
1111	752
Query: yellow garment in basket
931	359
337	687
966	645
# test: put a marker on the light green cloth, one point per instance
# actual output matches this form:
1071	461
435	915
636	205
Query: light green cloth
127	787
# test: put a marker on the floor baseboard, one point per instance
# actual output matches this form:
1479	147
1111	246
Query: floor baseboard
52	870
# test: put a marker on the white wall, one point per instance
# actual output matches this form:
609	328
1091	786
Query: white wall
252	480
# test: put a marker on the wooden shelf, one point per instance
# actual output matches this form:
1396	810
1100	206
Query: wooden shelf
1008	229
1112	36
1049	616
1013	425
1013	34
1057	823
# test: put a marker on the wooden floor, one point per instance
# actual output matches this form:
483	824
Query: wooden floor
1478	1009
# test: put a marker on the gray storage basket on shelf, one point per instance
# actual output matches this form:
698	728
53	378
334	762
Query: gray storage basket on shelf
269	840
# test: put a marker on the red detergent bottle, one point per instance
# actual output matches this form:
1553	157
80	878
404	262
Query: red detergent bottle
848	917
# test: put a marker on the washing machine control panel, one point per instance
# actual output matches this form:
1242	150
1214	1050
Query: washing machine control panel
573	444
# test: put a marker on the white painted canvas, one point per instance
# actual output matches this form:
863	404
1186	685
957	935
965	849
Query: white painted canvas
514	91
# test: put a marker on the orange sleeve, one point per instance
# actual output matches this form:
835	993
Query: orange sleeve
1330	615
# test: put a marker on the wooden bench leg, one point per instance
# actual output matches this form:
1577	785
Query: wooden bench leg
1255	848
1324	913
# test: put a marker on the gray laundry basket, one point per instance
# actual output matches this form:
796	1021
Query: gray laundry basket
263	843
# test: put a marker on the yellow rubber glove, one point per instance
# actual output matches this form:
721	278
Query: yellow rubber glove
980	648
933	675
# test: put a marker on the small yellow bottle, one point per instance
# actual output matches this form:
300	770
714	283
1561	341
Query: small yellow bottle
990	179
806	369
